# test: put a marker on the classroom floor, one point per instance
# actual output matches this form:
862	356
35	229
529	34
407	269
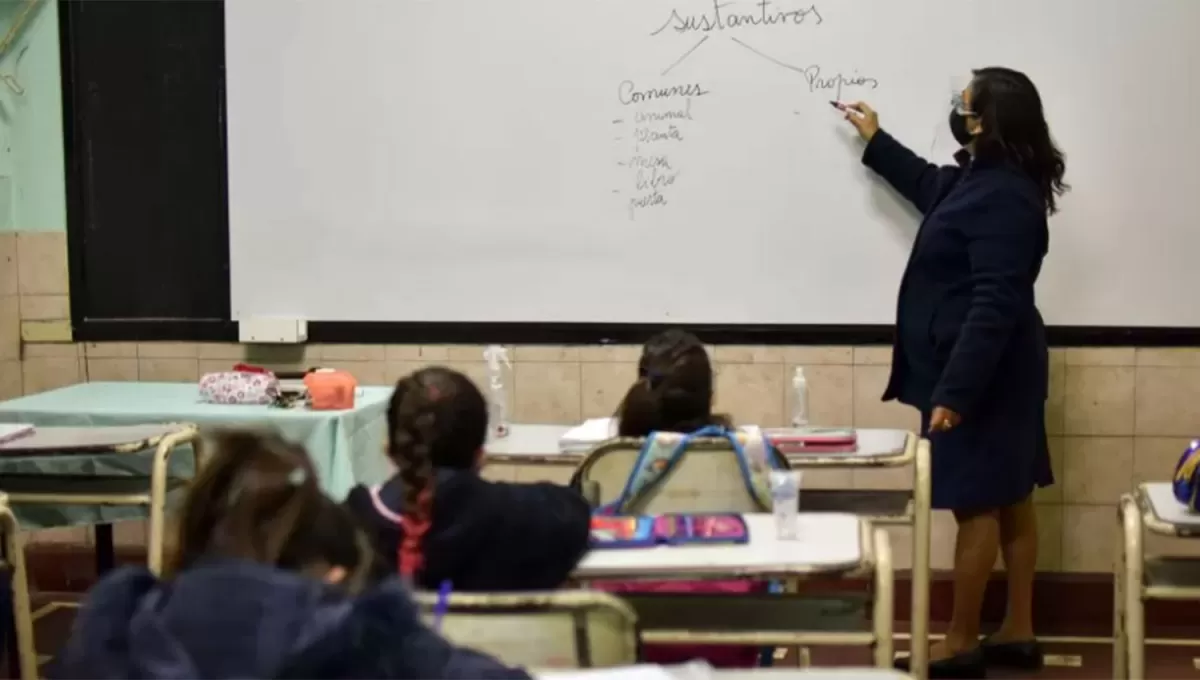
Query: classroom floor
1067	658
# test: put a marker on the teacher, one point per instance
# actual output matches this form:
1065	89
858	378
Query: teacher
970	348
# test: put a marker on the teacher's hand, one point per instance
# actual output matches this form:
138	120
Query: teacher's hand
943	419
864	119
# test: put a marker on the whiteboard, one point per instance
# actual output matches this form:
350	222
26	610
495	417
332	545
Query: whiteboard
677	161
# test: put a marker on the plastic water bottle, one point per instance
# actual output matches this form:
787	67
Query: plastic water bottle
498	370
800	399
785	502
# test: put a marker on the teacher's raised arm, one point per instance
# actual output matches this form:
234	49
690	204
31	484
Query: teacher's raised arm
970	347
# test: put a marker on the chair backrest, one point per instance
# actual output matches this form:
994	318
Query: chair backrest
707	479
541	630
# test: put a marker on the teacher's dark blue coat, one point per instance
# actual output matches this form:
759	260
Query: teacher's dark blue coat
968	333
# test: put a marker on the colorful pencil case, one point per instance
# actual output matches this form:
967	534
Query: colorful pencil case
647	531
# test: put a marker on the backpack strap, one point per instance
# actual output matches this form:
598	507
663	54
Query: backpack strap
661	453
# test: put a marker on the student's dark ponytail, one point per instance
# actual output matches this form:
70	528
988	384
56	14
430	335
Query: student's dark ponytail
674	389
436	418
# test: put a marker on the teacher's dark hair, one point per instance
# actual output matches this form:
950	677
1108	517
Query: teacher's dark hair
1014	128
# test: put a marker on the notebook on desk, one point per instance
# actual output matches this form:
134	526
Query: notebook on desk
585	437
9	432
646	531
793	440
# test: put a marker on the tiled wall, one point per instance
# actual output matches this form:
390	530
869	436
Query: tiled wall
1117	416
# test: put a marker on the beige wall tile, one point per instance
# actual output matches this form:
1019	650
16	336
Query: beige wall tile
1055	402
559	474
230	351
1169	357
169	370
830	395
604	386
50	350
901	539
41	375
112	370
374	373
545	353
1058	356
869	411
1050	537
130	534
1053	494
10	379
874	355
611	353
42	263
45	307
1089	538
752	394
8	265
1096	470
499	473
10	327
443	354
1098	400
819	355
168	350
402	352
337	353
1101	356
111	350
1167	400
395	370
748	354
1154	458
547	392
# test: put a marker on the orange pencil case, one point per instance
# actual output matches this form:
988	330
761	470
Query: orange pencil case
330	390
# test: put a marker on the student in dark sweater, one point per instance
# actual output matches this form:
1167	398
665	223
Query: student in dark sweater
438	520
270	580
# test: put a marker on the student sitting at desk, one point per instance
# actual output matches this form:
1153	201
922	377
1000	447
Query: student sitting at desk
270	580
674	393
438	520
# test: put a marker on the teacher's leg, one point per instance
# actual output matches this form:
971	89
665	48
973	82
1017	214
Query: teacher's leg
1018	544
975	551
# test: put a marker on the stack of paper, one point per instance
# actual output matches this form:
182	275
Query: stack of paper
585	437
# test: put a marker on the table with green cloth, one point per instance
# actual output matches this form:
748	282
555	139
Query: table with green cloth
347	447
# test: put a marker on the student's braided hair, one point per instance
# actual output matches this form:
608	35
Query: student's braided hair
437	418
674	389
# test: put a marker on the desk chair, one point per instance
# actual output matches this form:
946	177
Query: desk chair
543	630
17	584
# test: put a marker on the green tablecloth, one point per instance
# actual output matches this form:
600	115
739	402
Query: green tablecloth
346	446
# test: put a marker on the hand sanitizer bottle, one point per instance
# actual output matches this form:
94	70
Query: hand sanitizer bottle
498	368
800	399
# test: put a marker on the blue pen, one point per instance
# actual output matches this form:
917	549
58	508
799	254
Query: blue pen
443	603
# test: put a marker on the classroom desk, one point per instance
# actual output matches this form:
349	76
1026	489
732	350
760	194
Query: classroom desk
346	446
41	470
694	672
537	446
831	545
17	583
1153	508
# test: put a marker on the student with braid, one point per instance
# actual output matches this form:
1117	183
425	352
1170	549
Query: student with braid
438	520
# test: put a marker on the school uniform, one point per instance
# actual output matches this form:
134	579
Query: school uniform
236	619
969	336
485	536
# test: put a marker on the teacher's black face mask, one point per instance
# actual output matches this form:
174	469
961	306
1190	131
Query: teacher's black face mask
958	128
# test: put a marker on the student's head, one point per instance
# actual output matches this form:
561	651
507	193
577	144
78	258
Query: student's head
437	419
257	499
674	389
1001	116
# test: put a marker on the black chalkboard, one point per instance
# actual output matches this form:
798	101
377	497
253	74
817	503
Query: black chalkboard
144	126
